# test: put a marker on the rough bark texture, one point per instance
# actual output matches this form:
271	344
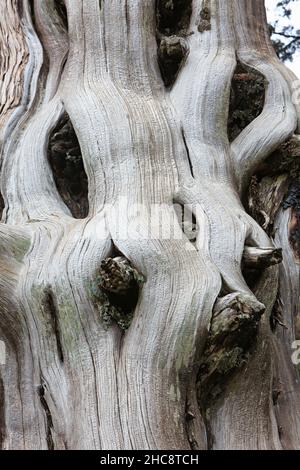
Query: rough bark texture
140	89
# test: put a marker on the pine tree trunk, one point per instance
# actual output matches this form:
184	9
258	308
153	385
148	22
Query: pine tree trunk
193	363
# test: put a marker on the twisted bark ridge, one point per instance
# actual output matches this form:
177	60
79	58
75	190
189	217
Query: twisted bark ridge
115	338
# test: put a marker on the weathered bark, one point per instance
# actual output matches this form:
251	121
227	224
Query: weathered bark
73	380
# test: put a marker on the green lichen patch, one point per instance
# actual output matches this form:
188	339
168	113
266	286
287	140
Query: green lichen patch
20	248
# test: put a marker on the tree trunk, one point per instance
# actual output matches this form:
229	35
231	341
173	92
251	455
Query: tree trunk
167	345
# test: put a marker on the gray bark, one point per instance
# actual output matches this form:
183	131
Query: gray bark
69	382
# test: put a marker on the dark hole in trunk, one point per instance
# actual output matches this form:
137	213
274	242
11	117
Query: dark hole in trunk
50	308
62	12
251	276
187	220
65	158
172	21
173	16
119	281
172	52
246	99
116	290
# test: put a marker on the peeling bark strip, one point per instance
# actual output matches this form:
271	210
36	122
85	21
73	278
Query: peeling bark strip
109	67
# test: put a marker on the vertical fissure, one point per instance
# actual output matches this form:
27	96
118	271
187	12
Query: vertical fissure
187	152
189	418
64	155
60	7
50	305
49	422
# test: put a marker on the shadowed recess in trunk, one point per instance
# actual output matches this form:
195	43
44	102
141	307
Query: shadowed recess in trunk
292	202
41	392
62	12
58	6
246	99
232	334
115	291
65	158
172	20
173	16
187	221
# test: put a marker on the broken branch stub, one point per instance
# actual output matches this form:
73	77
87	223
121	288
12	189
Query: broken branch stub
261	258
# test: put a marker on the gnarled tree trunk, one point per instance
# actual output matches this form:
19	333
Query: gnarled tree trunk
193	361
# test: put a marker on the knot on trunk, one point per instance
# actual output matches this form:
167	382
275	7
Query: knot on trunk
115	291
233	331
205	17
172	52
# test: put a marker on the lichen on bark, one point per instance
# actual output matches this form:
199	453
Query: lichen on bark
151	144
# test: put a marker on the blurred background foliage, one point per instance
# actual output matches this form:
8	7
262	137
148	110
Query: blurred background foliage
286	38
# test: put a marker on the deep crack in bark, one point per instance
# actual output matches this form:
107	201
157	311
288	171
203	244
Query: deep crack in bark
65	158
49	422
50	308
